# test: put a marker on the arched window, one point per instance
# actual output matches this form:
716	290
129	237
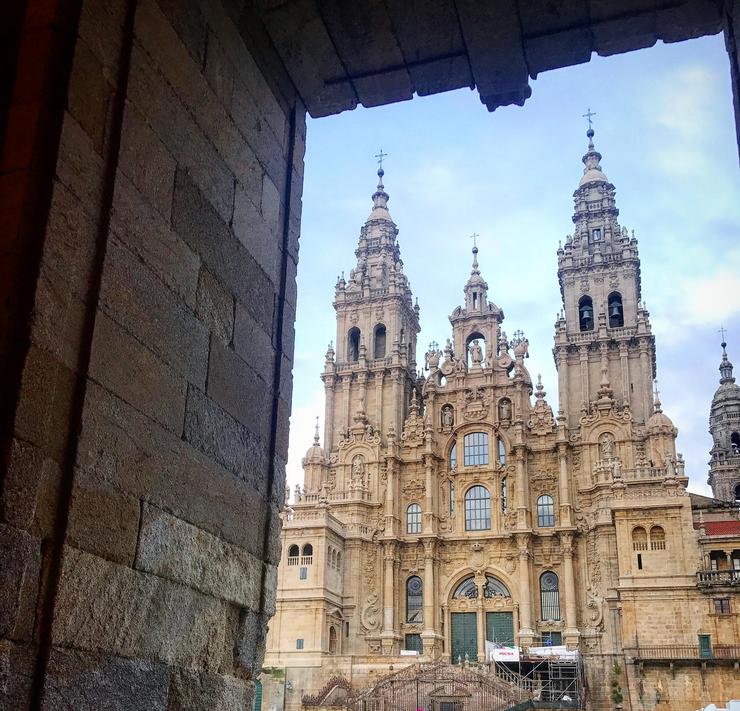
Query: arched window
735	444
639	539
475	347
453	456
549	596
657	538
307	549
493	586
504	502
467	588
379	347
414	600
332	640
293	553
545	511
353	344
339	560
586	314
615	310
475	449
413	519
477	509
501	451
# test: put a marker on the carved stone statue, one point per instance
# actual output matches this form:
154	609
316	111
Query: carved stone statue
606	442
504	410
448	416
476	352
358	467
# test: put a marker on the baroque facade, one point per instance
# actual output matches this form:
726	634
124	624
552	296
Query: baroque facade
455	507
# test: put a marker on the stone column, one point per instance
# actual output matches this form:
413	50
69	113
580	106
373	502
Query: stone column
389	551
647	379
562	366
565	507
624	362
329	413
522	489
481	620
583	357
526	633
428	495
571	629
429	634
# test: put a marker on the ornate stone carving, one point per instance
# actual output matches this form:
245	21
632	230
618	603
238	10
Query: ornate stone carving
476	404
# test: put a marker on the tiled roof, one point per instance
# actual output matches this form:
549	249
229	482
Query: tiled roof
720	528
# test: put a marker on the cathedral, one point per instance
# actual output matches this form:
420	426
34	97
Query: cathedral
452	508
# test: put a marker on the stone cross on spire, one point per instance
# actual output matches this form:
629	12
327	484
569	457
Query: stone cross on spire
380	156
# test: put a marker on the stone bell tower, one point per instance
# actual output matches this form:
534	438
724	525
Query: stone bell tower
369	378
724	426
603	333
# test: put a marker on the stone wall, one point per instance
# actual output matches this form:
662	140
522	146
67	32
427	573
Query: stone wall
150	188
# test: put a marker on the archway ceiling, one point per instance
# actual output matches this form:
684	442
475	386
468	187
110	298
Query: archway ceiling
341	53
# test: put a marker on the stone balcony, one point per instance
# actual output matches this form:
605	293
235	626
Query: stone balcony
711	579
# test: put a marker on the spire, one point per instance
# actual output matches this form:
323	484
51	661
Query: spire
380	196
316	433
725	367
656	397
592	172
476	289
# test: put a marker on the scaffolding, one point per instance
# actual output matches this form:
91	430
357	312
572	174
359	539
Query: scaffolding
554	682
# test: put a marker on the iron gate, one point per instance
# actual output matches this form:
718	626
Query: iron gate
439	686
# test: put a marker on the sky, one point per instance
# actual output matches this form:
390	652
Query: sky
665	127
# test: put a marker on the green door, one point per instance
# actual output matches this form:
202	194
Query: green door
464	636
500	628
258	695
705	646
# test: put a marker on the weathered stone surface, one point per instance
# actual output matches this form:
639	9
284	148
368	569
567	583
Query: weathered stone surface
124	366
235	386
253	343
172	121
147	162
252	230
18	503
103	521
146	233
174	549
200	691
250	642
16	674
111	608
44	412
20	561
215	306
133	297
90	682
200	226
138	456
225	440
89	94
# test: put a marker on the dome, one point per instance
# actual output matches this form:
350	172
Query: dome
728	392
315	453
593	175
659	422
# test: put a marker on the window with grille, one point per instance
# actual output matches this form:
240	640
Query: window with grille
453	457
545	511
452	497
504	502
413	643
475	449
657	538
477	509
639	539
413	519
303	574
722	606
501	451
299	644
414	600
549	596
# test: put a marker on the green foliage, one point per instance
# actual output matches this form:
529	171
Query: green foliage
617	695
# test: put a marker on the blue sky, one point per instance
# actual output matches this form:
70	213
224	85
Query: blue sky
665	128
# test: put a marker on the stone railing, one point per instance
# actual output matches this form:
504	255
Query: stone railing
688	651
714	578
